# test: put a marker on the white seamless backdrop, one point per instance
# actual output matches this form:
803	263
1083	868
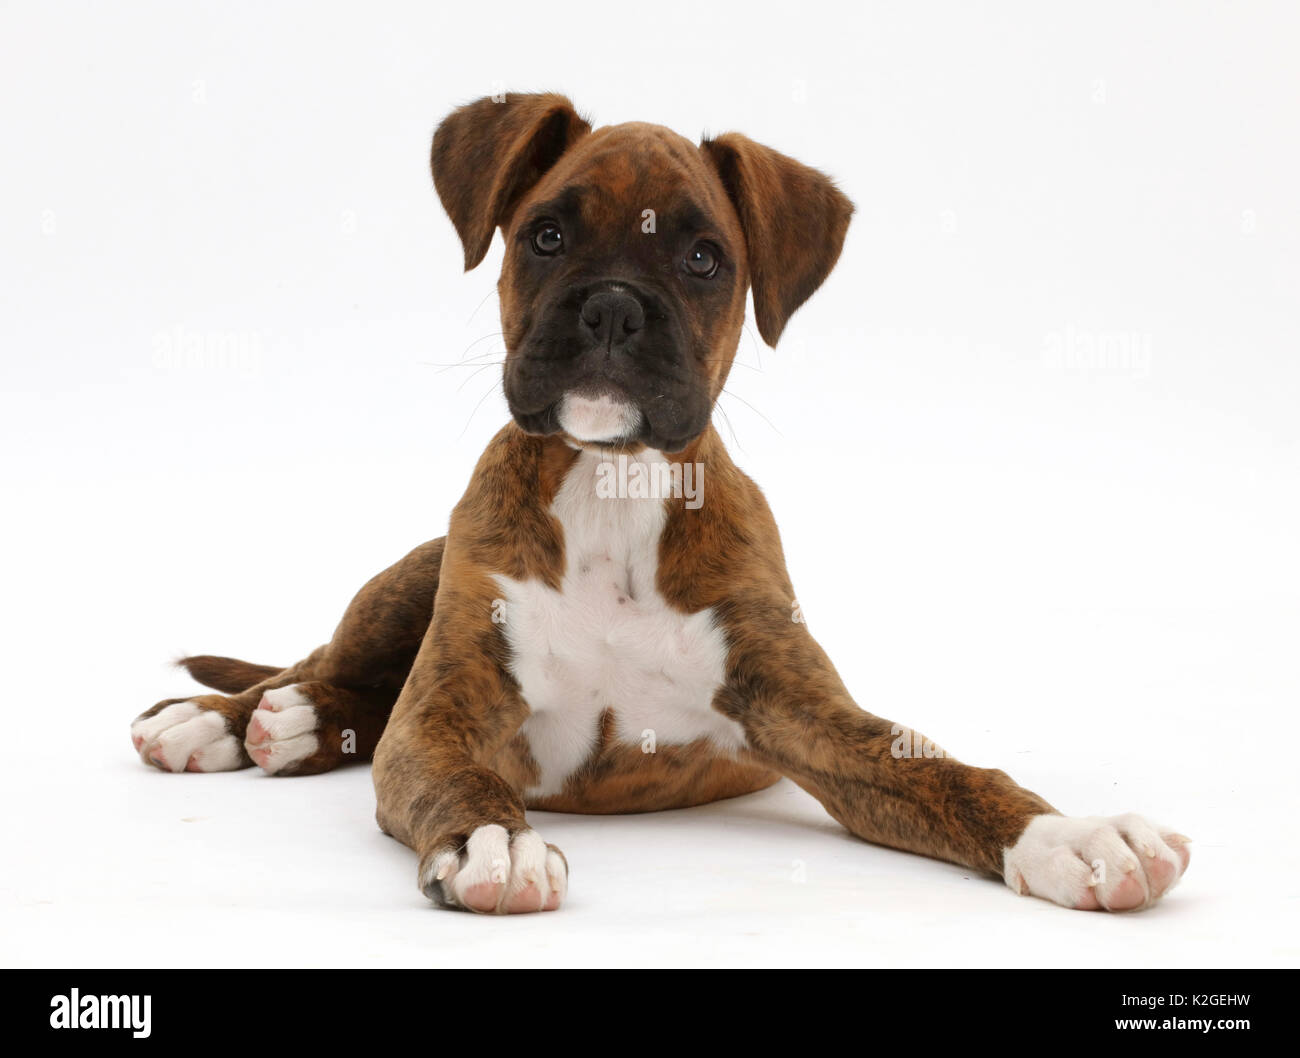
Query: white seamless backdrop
1034	449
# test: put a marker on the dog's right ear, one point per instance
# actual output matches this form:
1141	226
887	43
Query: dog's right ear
487	154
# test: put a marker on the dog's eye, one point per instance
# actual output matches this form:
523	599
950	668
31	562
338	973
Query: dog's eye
702	260
547	240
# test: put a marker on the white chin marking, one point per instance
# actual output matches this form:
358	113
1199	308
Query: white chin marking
598	418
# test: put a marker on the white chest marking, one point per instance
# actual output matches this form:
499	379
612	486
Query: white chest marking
607	640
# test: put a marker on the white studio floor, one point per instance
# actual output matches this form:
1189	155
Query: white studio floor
109	863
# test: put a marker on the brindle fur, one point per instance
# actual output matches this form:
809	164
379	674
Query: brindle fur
419	640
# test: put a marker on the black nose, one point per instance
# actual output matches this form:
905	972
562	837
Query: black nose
611	316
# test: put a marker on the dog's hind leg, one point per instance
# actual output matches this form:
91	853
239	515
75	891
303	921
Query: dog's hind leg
310	727
329	708
289	724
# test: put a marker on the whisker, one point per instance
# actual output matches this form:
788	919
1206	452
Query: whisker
495	386
735	363
758	351
751	407
470	377
730	429
483	338
472	361
480	305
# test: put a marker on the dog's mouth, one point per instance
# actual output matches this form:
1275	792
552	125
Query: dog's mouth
603	419
587	417
598	409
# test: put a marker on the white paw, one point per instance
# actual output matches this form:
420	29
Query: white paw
281	731
497	875
1120	863
184	736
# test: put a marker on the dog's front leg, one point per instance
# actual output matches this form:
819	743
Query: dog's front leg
894	787
434	789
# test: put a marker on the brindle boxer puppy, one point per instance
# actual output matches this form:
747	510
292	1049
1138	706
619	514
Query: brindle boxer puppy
566	649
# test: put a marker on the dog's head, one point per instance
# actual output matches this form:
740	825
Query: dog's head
629	251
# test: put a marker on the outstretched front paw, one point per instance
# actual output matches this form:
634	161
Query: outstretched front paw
1120	863
494	873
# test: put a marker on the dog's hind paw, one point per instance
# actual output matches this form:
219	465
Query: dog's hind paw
497	874
282	732
193	734
1092	863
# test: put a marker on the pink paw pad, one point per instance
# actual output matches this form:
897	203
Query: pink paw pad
1127	895
1089	901
529	898
1160	875
482	897
256	732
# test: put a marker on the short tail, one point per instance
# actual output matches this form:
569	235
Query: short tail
229	675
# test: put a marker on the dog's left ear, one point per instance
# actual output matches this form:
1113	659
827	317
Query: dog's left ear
794	219
487	154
